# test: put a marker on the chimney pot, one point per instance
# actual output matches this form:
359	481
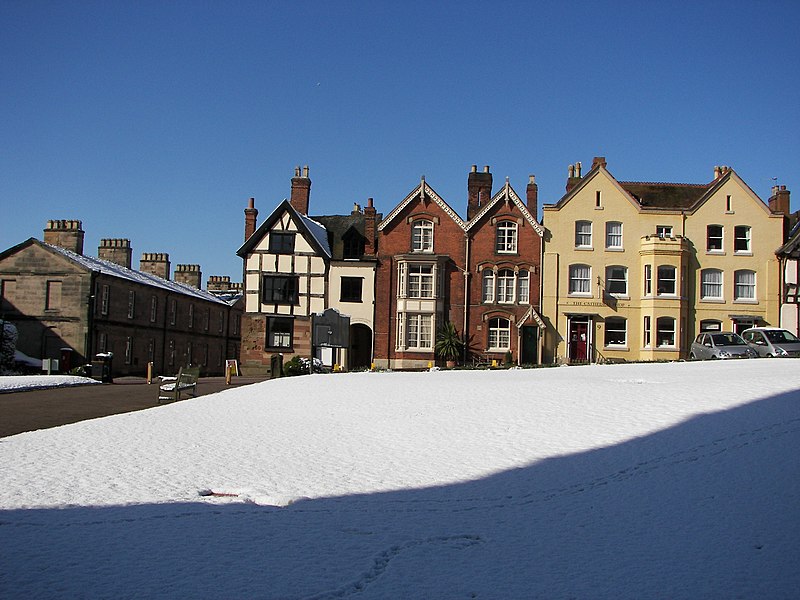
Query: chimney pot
486	169
474	169
305	171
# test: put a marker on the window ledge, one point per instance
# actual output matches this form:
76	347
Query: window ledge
716	252
615	249
742	253
613	348
745	301
712	300
584	248
579	295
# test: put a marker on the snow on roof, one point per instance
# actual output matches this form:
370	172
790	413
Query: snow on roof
318	231
141	277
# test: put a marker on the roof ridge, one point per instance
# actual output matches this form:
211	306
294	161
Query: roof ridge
698	185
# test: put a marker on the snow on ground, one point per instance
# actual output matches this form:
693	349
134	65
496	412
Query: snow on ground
19	383
676	480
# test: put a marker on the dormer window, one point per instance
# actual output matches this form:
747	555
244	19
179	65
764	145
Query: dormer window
352	245
422	236
281	242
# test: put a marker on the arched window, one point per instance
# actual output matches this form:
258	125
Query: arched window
506	237
499	334
505	286
422	236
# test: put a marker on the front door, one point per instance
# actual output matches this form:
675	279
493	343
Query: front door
579	339
529	349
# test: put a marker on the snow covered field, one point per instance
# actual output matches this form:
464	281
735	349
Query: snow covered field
673	480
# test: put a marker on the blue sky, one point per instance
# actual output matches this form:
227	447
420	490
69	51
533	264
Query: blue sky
156	121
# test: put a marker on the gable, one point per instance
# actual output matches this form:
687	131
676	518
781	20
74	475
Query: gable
422	194
286	218
33	256
508	195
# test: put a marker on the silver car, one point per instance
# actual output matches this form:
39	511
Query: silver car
723	344
772	341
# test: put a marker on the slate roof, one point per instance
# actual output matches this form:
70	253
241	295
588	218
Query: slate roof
105	267
666	195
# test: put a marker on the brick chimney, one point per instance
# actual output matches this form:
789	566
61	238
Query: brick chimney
370	228
117	251
779	201
301	191
155	263
573	176
189	274
479	190
65	234
222	284
250	214
532	195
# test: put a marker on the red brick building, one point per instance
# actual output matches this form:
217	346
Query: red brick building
482	275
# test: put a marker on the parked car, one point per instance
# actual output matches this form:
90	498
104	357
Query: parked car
772	341
723	344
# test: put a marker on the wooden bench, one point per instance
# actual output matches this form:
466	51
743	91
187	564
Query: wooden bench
185	382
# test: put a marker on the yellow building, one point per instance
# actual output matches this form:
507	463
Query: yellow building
634	271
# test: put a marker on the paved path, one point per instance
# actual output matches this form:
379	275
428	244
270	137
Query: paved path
40	409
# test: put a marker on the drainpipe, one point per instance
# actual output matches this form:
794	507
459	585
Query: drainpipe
466	298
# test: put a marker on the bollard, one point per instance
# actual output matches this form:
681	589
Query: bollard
149	373
228	373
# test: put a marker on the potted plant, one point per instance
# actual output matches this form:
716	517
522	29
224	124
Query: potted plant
449	345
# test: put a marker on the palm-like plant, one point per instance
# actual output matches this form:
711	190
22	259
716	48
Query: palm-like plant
449	344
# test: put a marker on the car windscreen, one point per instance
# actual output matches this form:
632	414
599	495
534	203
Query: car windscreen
778	336
727	339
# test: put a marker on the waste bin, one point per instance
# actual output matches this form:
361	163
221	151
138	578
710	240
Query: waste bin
276	366
101	367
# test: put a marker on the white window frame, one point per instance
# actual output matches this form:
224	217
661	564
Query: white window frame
421	280
614	235
580	284
523	286
419	331
506	284
661	279
610	280
718	240
744	291
665	326
646	328
611	327
647	280
664	231
422	236
499	335
506	237
488	283
711	284
583	234
105	299
742	235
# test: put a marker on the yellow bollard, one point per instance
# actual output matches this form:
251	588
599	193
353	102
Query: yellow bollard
149	373
494	362
372	366
228	373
